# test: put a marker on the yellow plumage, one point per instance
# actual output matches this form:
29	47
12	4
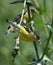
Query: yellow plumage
23	31
26	36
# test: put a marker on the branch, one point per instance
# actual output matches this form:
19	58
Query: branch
36	50
23	12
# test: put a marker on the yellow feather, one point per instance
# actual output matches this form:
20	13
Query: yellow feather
26	36
23	30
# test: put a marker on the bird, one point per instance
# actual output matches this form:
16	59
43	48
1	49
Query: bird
24	31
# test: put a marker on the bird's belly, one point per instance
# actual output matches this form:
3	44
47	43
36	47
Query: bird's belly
27	38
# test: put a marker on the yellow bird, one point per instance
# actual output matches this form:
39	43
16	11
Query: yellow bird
28	36
25	33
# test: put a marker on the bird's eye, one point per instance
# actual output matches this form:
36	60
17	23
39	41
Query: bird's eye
9	27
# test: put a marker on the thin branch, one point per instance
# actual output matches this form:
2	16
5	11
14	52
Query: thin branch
15	2
35	45
28	7
23	12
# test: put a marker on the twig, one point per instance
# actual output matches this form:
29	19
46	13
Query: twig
23	12
28	7
35	45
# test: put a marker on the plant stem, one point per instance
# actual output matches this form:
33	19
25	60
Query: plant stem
35	45
23	12
45	49
28	7
29	16
36	49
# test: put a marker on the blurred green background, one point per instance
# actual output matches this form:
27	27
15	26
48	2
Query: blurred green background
7	42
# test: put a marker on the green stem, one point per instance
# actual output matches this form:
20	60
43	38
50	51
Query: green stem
35	45
28	7
15	2
29	15
23	11
50	34
46	46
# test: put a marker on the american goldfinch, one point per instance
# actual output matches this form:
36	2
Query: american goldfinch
24	33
